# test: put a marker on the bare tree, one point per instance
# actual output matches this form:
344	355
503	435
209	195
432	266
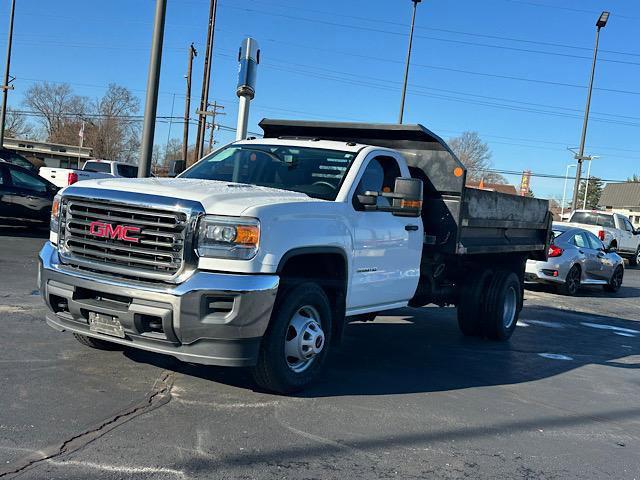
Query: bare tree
476	156
59	110
111	126
113	132
17	126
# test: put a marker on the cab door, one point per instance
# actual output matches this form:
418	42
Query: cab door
386	248
629	243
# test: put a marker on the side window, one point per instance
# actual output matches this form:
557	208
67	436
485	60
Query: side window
627	225
379	176
594	242
580	241
28	182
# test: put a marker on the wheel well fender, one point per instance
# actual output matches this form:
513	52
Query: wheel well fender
328	267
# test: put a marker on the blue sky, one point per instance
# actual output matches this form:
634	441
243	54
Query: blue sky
514	70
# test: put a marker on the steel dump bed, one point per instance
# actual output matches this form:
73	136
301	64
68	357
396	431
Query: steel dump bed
458	220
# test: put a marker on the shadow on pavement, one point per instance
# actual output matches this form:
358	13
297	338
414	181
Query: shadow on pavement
425	352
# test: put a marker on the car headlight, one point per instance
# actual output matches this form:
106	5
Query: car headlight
228	237
54	224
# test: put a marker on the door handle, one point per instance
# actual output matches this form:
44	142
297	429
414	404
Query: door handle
581	251
411	228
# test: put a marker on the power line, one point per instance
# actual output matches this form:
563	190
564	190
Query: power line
445	30
389	32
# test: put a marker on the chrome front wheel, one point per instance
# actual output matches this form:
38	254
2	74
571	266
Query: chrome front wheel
304	338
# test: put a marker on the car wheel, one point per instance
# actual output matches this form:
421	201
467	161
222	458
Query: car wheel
616	280
295	345
571	284
635	260
96	342
470	303
502	305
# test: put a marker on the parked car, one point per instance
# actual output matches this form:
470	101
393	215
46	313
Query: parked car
92	169
577	257
615	231
260	253
14	158
23	194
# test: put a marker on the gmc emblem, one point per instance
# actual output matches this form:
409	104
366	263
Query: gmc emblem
117	232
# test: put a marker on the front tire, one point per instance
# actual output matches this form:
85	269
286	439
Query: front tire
616	281
502	305
635	260
96	342
295	345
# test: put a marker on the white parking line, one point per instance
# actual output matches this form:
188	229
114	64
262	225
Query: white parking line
555	356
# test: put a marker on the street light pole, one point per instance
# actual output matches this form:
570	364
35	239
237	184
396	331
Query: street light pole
602	21
564	191
153	83
586	186
406	67
5	85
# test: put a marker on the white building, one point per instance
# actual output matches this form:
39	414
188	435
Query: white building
52	154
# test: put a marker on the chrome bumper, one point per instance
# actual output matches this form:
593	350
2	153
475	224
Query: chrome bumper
211	318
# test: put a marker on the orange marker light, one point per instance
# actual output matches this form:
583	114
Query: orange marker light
411	203
458	171
247	235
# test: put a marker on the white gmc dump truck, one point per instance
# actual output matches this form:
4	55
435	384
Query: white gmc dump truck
260	253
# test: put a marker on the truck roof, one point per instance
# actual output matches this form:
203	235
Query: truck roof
423	150
306	142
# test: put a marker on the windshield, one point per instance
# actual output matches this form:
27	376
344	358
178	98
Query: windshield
127	171
591	218
98	167
314	171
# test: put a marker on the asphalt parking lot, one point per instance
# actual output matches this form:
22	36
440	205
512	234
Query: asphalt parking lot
404	397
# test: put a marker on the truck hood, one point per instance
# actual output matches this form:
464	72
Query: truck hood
221	198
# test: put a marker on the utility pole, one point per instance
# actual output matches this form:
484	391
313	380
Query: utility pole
204	98
602	21
5	85
211	113
187	106
406	68
213	122
153	82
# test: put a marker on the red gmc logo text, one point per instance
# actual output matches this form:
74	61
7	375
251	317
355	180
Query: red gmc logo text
117	232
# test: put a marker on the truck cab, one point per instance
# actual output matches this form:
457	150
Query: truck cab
260	253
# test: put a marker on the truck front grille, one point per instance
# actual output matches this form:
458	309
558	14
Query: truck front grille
124	239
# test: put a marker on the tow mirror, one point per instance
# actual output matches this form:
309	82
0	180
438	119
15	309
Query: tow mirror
404	201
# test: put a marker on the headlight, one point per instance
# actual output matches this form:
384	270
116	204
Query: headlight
55	214
228	237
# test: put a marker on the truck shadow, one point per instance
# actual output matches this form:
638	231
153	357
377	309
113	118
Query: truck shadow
421	350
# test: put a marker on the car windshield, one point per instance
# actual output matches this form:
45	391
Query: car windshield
313	171
593	218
